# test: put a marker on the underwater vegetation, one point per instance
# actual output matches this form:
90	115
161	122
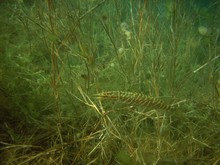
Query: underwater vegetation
109	82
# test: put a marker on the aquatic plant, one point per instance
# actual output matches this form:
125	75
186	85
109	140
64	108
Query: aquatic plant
57	57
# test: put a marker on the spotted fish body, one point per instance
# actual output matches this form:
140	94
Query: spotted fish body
134	99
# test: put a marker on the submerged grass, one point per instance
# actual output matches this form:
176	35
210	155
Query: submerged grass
56	56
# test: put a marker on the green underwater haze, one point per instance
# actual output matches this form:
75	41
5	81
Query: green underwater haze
109	82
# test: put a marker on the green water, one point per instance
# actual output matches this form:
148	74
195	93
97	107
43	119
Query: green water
109	82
